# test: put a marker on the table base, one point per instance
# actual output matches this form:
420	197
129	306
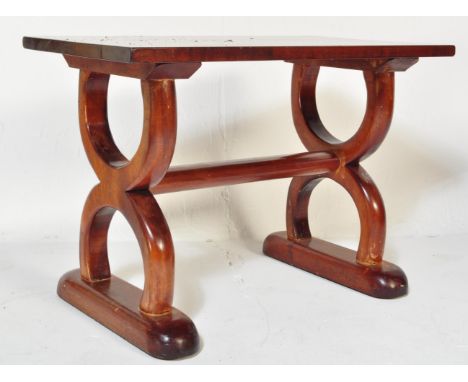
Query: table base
114	304
338	264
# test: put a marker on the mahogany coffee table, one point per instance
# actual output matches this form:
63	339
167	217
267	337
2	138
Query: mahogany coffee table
147	318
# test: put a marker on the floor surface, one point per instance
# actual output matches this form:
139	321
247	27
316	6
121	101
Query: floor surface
248	308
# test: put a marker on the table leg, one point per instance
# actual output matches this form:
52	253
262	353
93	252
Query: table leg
145	318
362	270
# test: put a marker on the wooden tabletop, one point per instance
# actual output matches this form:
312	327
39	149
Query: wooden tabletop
245	48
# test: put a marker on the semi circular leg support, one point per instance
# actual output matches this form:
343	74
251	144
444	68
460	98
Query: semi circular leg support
145	318
363	270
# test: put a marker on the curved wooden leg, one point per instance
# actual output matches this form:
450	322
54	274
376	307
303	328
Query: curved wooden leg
144	318
362	270
153	235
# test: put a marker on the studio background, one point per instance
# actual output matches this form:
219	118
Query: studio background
230	111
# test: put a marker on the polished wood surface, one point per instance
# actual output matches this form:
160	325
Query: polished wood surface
124	186
383	280
147	318
114	303
378	65
301	246
118	175
140	70
373	129
180	178
225	48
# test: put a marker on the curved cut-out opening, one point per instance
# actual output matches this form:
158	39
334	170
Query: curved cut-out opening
125	114
341	101
333	215
124	252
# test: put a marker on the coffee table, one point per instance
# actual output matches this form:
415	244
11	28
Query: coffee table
147	318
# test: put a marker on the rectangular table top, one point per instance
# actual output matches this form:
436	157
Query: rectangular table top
217	48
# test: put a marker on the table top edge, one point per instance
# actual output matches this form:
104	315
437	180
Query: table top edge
126	54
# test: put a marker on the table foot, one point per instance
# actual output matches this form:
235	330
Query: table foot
338	264
114	304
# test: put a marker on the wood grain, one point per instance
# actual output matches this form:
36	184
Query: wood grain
114	303
155	49
140	70
158	328
146	317
180	178
298	247
338	264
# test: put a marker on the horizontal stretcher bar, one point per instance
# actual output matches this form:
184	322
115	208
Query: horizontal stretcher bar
180	178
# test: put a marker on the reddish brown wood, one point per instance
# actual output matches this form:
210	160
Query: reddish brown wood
118	175
153	235
301	246
379	65
114	303
140	70
338	264
124	187
146	318
237	48
180	178
156	148
365	195
374	127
